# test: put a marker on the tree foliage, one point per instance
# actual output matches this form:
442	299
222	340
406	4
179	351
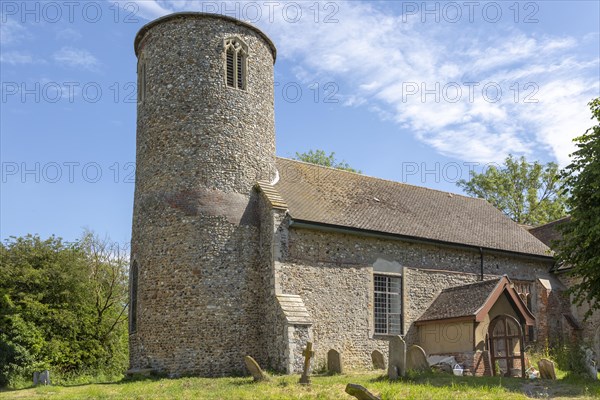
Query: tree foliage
580	243
529	193
62	307
319	157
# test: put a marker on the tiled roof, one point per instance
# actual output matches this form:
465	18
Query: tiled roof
330	196
474	301
272	195
459	301
549	232
294	309
549	235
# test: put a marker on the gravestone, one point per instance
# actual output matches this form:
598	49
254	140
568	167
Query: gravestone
546	368
307	353
360	392
416	359
36	378
255	370
590	364
334	362
44	378
397	358
377	359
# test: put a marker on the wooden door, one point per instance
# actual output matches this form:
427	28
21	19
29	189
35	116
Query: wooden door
506	345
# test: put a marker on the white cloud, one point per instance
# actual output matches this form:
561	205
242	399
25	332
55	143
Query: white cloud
11	32
16	58
145	9
76	58
68	34
375	56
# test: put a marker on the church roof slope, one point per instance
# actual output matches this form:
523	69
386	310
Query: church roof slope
549	233
330	196
459	301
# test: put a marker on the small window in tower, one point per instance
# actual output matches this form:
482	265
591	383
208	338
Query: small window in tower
230	67
141	81
236	54
240	71
133	298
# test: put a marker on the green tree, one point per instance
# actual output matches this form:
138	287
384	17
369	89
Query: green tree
529	193
61	307
319	157
107	263
580	243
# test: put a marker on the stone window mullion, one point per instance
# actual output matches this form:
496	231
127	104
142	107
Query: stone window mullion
236	53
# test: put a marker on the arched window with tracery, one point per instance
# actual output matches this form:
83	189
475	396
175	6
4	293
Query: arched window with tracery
525	291
236	58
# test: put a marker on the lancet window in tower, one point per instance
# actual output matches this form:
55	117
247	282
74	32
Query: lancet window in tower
133	298
236	54
141	80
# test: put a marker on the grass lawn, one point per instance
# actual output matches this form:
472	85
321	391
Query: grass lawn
421	386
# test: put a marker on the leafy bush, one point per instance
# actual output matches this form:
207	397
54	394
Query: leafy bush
569	357
62	307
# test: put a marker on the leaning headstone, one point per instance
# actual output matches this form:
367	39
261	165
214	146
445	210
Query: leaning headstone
416	359
334	362
307	353
255	370
397	358
360	392
36	378
44	378
546	368
377	359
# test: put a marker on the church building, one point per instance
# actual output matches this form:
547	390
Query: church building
238	252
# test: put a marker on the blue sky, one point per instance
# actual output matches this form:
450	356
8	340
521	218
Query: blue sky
408	91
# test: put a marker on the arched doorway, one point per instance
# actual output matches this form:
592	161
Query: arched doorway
506	345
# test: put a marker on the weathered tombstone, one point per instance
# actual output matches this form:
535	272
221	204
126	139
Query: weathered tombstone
590	364
416	359
255	370
377	359
308	353
546	368
397	358
44	378
36	378
334	362
393	373
360	392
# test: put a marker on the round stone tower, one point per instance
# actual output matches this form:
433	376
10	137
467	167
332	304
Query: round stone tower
205	135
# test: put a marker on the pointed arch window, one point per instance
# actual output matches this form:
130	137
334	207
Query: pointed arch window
525	291
141	80
236	58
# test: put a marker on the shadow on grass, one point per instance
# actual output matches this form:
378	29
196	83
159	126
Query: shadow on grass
572	386
249	382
